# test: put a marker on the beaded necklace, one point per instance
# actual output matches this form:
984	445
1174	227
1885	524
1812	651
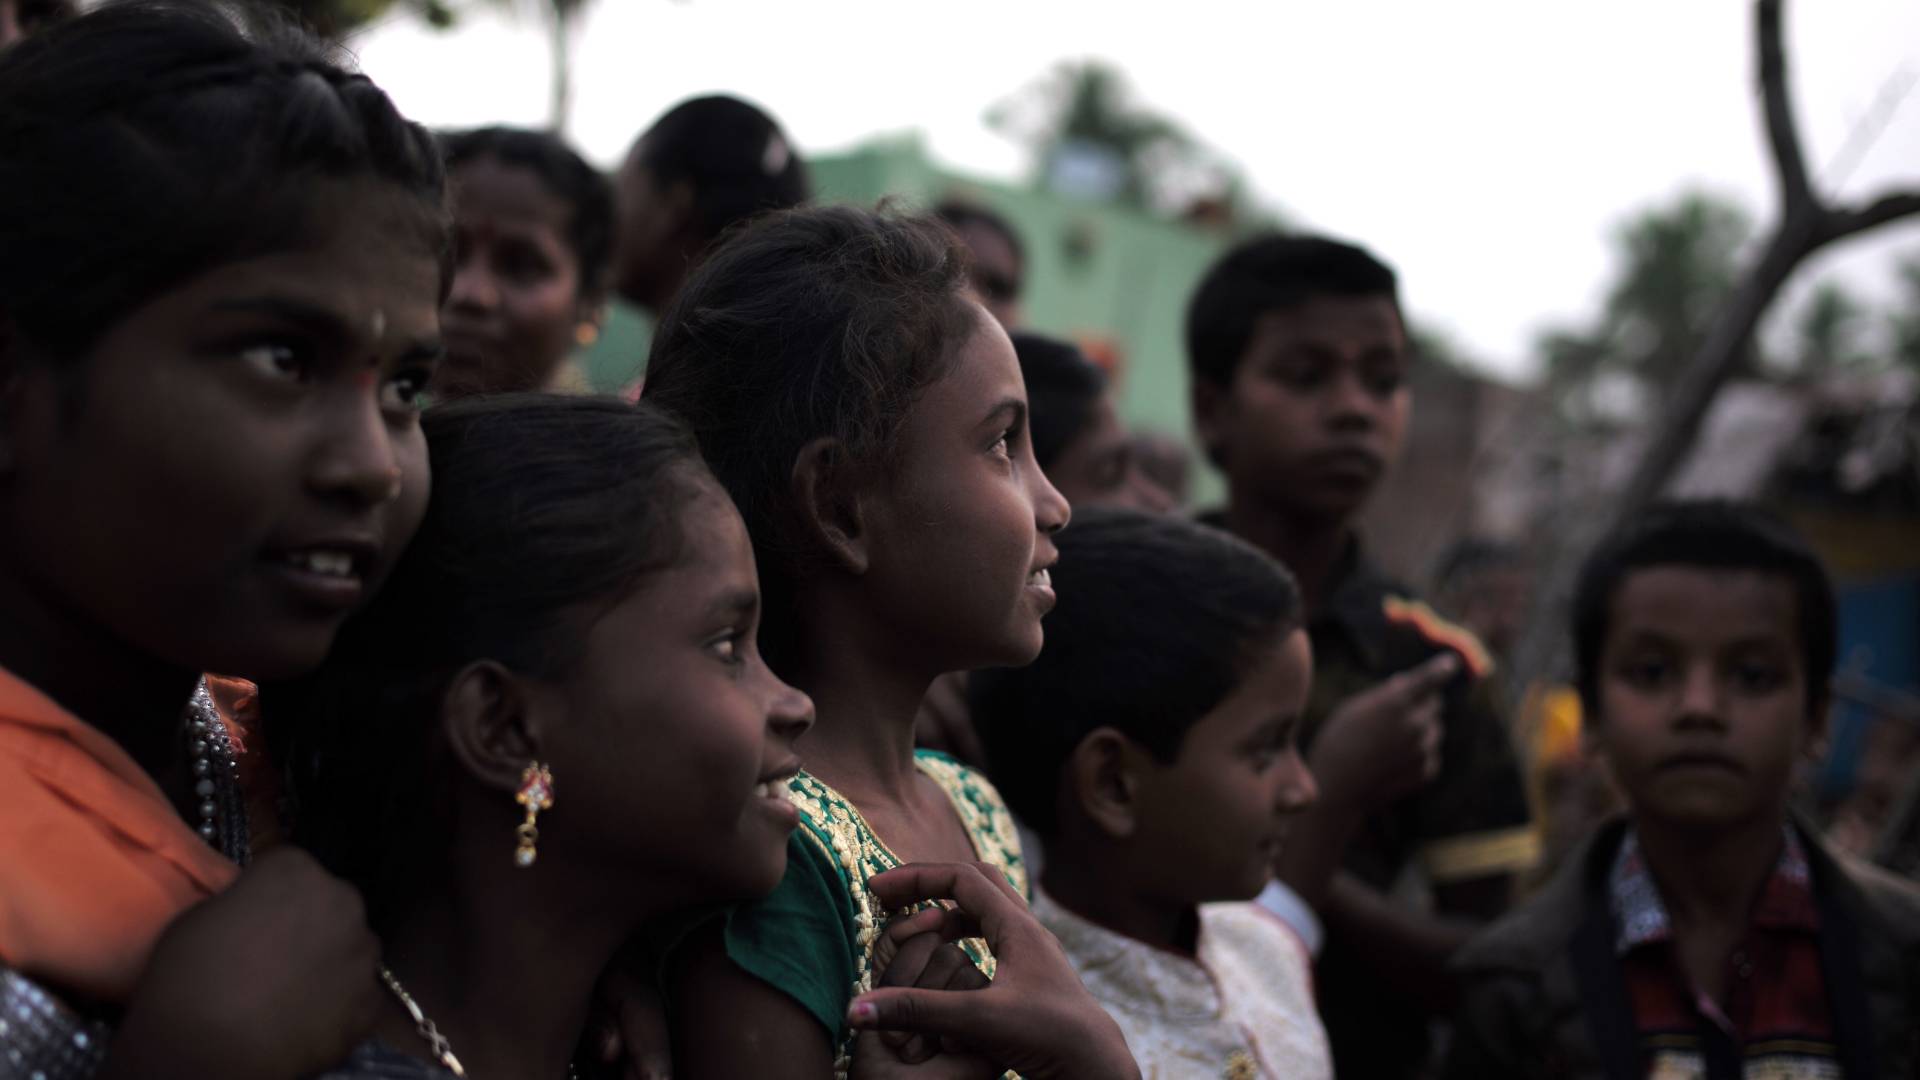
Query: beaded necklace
216	780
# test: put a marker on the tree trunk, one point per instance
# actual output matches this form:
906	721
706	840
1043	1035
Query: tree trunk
560	16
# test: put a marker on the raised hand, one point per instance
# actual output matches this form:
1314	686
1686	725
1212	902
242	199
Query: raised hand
1035	1017
1384	743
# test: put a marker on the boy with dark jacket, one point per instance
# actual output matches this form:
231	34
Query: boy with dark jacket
1708	933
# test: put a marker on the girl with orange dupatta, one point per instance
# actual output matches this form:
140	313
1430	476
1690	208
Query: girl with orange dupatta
219	291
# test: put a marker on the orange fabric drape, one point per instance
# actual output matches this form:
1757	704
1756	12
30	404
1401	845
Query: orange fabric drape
94	861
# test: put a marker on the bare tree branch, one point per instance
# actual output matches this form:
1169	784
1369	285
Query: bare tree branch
1805	225
1796	193
1889	207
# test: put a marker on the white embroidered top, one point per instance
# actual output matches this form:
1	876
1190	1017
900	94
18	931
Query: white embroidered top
1242	1009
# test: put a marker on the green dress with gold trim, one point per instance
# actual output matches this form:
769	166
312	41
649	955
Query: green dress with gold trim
814	937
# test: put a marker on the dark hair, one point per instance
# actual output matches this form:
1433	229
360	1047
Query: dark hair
565	174
547	511
1271	273
823	322
733	155
961	215
1063	389
151	140
1710	535
1158	621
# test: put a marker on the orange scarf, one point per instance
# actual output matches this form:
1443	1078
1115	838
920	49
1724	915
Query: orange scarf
94	861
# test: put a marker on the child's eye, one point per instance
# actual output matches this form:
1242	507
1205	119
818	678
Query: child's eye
524	265
1644	674
1002	446
1384	382
276	360
729	648
1298	374
406	391
1758	677
1270	749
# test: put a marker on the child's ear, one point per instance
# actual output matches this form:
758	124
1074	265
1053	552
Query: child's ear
489	717
1104	784
826	495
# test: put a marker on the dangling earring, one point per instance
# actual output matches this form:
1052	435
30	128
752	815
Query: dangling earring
536	794
585	334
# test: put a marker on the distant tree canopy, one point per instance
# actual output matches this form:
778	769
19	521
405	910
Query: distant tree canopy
1678	264
1090	138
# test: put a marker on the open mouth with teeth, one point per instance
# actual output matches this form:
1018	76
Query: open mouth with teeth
1042	578
771	789
324	562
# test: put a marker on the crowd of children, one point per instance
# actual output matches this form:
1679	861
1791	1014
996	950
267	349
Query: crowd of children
854	702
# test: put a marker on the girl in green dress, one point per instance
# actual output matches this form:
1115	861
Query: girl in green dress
869	419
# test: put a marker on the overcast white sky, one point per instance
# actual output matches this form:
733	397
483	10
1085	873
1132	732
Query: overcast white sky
1486	147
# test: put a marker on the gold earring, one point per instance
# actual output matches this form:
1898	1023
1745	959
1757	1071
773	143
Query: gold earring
536	794
585	334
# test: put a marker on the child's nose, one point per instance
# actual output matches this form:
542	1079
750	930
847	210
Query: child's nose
791	713
1699	695
1298	788
1051	512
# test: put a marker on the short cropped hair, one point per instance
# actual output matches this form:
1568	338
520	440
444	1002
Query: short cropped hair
1159	619
1709	535
1271	273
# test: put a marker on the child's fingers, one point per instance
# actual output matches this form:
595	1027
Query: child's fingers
909	966
948	969
943	922
1429	676
961	974
927	920
886	948
1425	715
955	924
910	960
953	1013
979	889
874	1054
911	1048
